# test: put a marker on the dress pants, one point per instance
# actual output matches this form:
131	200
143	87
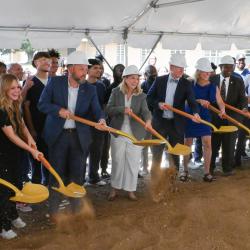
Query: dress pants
227	141
166	128
68	159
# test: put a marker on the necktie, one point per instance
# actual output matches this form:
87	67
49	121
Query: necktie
223	89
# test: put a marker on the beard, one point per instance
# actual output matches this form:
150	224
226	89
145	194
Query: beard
77	79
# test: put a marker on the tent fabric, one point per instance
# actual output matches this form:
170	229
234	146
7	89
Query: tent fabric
183	23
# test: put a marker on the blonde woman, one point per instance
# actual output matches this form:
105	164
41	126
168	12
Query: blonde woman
205	93
125	156
14	137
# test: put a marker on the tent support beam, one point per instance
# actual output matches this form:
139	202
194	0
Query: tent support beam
152	50
142	13
92	41
176	3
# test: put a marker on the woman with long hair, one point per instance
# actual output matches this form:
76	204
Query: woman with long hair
125	156
14	136
205	93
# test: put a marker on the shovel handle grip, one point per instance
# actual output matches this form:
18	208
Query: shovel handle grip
229	118
247	114
152	131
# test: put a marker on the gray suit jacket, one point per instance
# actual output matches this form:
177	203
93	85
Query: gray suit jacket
115	110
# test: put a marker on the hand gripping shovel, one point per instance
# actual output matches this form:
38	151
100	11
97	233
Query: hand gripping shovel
222	129
72	190
229	118
31	193
247	114
119	132
178	149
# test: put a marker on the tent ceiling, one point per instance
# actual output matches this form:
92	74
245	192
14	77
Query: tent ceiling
183	23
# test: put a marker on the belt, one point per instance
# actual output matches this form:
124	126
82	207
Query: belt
69	130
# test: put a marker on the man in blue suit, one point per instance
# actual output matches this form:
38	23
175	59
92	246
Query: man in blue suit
68	141
174	90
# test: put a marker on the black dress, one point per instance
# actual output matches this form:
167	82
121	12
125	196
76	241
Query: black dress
10	171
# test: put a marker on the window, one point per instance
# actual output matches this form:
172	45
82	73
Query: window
120	54
144	54
213	55
183	52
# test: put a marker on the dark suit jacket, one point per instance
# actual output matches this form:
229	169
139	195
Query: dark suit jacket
183	93
55	96
236	97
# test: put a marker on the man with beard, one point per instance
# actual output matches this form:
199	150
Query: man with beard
33	117
68	141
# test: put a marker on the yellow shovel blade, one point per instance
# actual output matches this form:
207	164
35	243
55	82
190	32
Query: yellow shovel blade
153	142
226	129
179	149
72	190
31	193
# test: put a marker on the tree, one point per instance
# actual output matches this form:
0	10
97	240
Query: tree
27	47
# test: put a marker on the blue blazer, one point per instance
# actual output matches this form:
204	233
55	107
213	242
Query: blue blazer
183	93
55	96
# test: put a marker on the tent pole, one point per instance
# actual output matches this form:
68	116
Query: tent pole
125	37
92	41
157	41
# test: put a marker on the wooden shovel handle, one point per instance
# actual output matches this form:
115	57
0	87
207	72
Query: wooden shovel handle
247	114
90	123
229	118
168	107
152	131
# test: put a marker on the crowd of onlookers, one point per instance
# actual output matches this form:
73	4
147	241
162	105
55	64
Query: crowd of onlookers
35	118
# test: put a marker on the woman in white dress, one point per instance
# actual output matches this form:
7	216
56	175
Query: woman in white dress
126	156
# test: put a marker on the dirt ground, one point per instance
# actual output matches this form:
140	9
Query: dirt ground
199	215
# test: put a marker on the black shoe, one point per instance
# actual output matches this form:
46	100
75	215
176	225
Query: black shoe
105	175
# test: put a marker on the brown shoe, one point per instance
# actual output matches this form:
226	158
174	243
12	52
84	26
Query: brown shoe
112	196
132	196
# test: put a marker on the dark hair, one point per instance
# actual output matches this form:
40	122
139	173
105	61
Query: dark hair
214	67
54	53
93	62
100	58
3	65
38	55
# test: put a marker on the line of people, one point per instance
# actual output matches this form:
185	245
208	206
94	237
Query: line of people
49	101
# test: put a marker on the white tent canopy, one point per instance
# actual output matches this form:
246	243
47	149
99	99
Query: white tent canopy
216	24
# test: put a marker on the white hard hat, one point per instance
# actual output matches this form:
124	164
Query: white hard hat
131	70
240	56
203	64
226	60
178	60
77	57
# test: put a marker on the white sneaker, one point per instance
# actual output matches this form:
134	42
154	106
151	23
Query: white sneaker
101	183
23	207
18	223
8	235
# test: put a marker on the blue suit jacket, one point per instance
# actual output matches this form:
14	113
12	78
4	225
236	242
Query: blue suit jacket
55	96
183	93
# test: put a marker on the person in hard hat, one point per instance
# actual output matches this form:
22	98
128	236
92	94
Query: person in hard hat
125	155
241	68
205	93
14	138
68	141
174	90
232	91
